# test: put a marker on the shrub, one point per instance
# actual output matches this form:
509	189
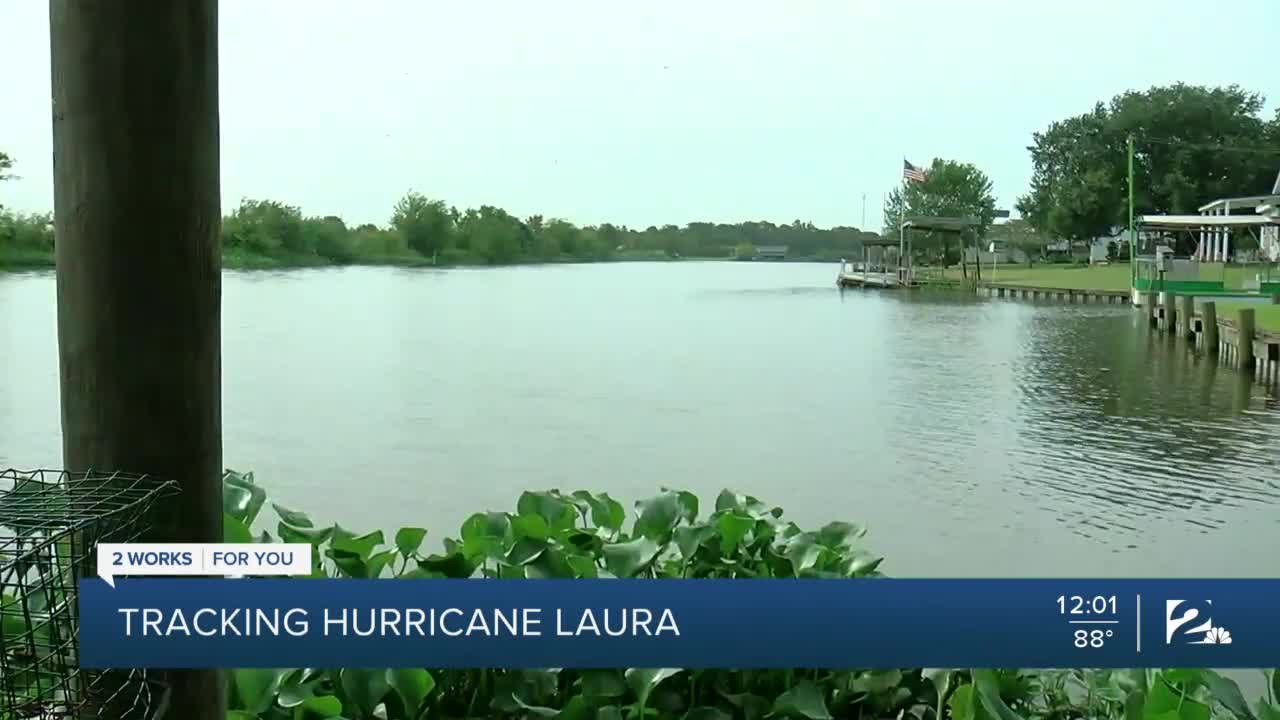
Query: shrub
584	534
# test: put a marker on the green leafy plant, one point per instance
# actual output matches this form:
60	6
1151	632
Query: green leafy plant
589	535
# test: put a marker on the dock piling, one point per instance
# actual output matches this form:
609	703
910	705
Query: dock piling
1209	325
1185	313
1245	320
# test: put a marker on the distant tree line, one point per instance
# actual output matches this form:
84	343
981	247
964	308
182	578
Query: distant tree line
1192	145
423	230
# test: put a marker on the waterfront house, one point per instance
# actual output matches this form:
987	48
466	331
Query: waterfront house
771	252
1215	243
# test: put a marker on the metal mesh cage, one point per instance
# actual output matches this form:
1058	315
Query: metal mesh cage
50	524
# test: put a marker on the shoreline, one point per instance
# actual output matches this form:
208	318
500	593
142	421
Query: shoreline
22	261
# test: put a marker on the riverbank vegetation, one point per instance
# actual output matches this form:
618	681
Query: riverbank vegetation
1192	144
670	536
264	233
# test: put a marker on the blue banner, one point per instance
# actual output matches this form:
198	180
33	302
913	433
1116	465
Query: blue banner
873	623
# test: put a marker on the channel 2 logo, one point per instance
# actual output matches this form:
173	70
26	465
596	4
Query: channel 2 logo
1189	623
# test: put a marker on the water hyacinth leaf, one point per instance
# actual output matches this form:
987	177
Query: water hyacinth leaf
241	715
877	682
537	710
987	686
582	566
1135	705
707	712
609	712
409	540
379	562
533	527
314	536
235	531
689	539
962	704
603	684
292	517
363	545
606	512
584	541
552	563
255	689
1267	711
803	552
729	500
642	681
861	564
326	706
752	706
627	558
494	526
559	513
576	709
1227	692
804	701
364	689
507	571
839	535
733	527
526	551
348	562
688	506
293	694
241	498
413	685
1162	698
453	565
1275	685
658	515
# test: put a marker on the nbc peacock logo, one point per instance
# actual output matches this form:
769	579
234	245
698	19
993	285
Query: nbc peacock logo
1189	622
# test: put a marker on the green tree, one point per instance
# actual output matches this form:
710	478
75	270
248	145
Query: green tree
427	225
330	238
265	227
951	189
6	164
1192	144
744	251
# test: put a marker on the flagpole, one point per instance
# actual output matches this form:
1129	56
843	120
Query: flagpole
902	218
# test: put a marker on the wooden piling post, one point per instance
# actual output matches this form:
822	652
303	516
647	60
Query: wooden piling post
137	212
1186	309
1244	341
1169	300
1149	307
1209	327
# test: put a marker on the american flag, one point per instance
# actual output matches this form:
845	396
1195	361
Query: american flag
911	172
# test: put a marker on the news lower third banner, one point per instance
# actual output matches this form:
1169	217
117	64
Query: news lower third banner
871	623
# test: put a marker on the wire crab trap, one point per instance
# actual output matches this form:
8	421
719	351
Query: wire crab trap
50	524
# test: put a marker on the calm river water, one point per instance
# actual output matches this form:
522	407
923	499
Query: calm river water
972	437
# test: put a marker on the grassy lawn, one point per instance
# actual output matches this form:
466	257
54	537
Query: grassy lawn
1068	277
1103	277
1266	317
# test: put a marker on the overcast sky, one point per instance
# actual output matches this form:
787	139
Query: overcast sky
652	112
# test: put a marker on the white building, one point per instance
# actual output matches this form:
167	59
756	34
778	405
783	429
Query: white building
1215	244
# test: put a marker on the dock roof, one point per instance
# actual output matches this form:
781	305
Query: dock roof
941	224
1191	222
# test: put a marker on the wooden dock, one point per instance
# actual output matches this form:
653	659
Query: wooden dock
1062	295
868	279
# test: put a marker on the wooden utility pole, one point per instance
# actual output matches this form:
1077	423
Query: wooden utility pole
137	218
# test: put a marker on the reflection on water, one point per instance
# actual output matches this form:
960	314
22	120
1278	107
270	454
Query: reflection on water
975	437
